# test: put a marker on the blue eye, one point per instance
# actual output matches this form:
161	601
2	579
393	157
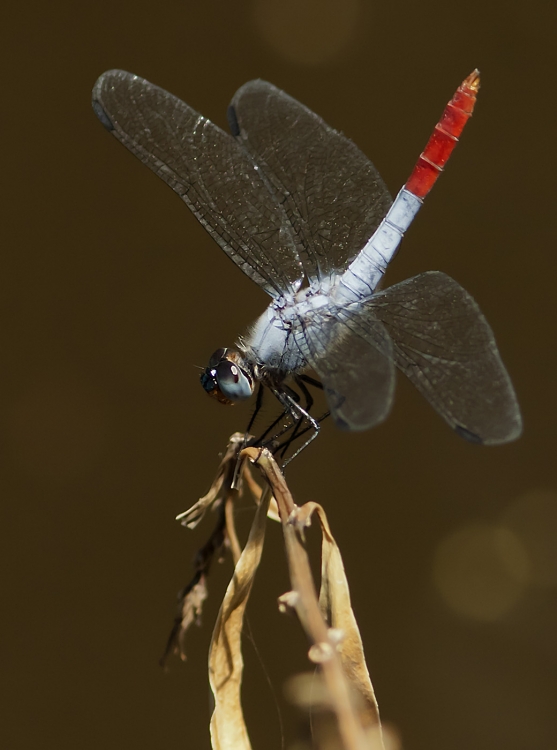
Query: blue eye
216	357
232	381
226	380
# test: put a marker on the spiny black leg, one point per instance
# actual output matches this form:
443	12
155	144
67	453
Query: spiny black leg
258	404
287	412
310	381
303	432
262	437
283	447
291	392
290	400
308	405
307	395
294	408
318	420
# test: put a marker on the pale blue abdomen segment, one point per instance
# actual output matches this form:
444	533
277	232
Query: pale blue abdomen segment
364	273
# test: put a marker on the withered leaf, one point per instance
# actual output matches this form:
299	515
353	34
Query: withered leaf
228	729
334	600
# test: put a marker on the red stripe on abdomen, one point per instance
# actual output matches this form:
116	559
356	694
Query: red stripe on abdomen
444	137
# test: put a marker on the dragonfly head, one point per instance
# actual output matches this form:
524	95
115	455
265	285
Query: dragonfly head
226	378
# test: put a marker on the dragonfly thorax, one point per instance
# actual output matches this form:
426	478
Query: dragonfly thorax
271	345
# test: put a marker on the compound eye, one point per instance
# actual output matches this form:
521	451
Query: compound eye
216	357
233	382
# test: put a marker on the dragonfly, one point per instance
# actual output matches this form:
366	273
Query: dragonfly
305	214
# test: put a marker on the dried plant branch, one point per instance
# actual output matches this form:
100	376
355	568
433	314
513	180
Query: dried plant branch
221	497
324	650
221	485
228	729
335	604
328	620
232	536
192	596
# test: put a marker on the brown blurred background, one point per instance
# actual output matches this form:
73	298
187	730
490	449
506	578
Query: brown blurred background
111	294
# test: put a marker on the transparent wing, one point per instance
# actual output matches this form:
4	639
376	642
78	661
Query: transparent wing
331	192
443	343
209	170
357	372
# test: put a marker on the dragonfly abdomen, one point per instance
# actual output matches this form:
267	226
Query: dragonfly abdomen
364	274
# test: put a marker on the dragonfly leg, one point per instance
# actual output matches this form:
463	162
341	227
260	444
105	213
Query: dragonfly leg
258	404
283	447
295	409
287	412
316	384
310	381
308	406
305	392
296	414
284	413
290	413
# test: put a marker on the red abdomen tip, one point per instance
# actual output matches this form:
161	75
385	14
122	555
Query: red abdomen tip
473	81
444	137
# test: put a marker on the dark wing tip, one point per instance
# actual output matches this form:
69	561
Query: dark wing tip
468	435
101	114
233	121
103	84
512	430
256	86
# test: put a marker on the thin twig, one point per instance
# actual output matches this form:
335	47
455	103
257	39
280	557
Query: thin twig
221	498
306	604
191	597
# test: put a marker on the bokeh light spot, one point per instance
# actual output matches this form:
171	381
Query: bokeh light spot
512	554
307	32
533	519
481	571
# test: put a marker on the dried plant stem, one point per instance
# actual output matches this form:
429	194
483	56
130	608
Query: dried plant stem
192	596
233	540
328	620
305	602
226	665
